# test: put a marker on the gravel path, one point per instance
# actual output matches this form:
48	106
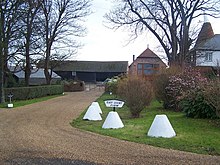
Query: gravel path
41	134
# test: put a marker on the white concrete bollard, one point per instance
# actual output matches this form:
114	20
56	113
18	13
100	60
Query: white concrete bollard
161	127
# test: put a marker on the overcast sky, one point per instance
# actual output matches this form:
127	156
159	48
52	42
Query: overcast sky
103	44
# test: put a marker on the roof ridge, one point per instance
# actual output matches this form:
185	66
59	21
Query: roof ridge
148	53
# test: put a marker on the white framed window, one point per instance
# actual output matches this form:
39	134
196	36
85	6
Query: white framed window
208	56
73	73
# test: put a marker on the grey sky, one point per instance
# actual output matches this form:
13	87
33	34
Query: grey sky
103	44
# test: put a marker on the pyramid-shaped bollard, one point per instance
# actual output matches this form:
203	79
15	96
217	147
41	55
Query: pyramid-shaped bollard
97	107
161	127
92	114
113	121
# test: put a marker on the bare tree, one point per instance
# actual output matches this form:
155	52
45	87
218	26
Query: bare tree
170	21
9	17
1	53
61	24
29	12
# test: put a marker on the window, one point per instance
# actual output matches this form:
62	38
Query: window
208	56
148	66
73	73
139	66
147	69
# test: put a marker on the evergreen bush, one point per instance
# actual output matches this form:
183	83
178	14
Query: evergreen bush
195	106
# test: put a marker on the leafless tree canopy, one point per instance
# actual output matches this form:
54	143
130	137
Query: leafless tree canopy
61	21
170	21
40	29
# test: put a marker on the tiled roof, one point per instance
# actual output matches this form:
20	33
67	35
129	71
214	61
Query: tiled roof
210	44
93	66
205	33
148	54
38	74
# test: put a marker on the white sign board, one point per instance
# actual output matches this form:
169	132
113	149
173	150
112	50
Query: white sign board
114	103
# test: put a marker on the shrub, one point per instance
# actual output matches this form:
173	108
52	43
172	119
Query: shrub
195	106
73	86
160	83
111	87
212	95
190	92
180	86
136	92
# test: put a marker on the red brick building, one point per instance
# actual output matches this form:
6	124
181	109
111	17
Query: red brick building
146	64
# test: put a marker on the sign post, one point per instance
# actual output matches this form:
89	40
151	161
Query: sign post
114	104
10	105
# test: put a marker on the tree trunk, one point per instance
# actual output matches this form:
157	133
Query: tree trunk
2	95
27	67
46	63
47	74
27	57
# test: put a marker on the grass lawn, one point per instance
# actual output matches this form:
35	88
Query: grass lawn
18	103
193	135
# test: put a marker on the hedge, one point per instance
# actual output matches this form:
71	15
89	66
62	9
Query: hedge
25	93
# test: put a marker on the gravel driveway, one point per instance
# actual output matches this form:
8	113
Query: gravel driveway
41	134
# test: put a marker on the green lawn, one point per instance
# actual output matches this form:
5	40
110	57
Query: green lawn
193	135
19	103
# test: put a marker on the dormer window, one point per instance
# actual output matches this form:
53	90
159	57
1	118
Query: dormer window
208	56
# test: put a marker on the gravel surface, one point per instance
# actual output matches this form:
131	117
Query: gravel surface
41	134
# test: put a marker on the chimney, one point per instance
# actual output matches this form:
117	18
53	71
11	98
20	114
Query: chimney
133	57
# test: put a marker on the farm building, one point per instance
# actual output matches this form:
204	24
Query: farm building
146	64
90	71
206	52
37	77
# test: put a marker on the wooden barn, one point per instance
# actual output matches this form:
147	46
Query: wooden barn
90	71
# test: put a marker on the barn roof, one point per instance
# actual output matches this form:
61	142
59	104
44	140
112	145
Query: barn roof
39	73
93	66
